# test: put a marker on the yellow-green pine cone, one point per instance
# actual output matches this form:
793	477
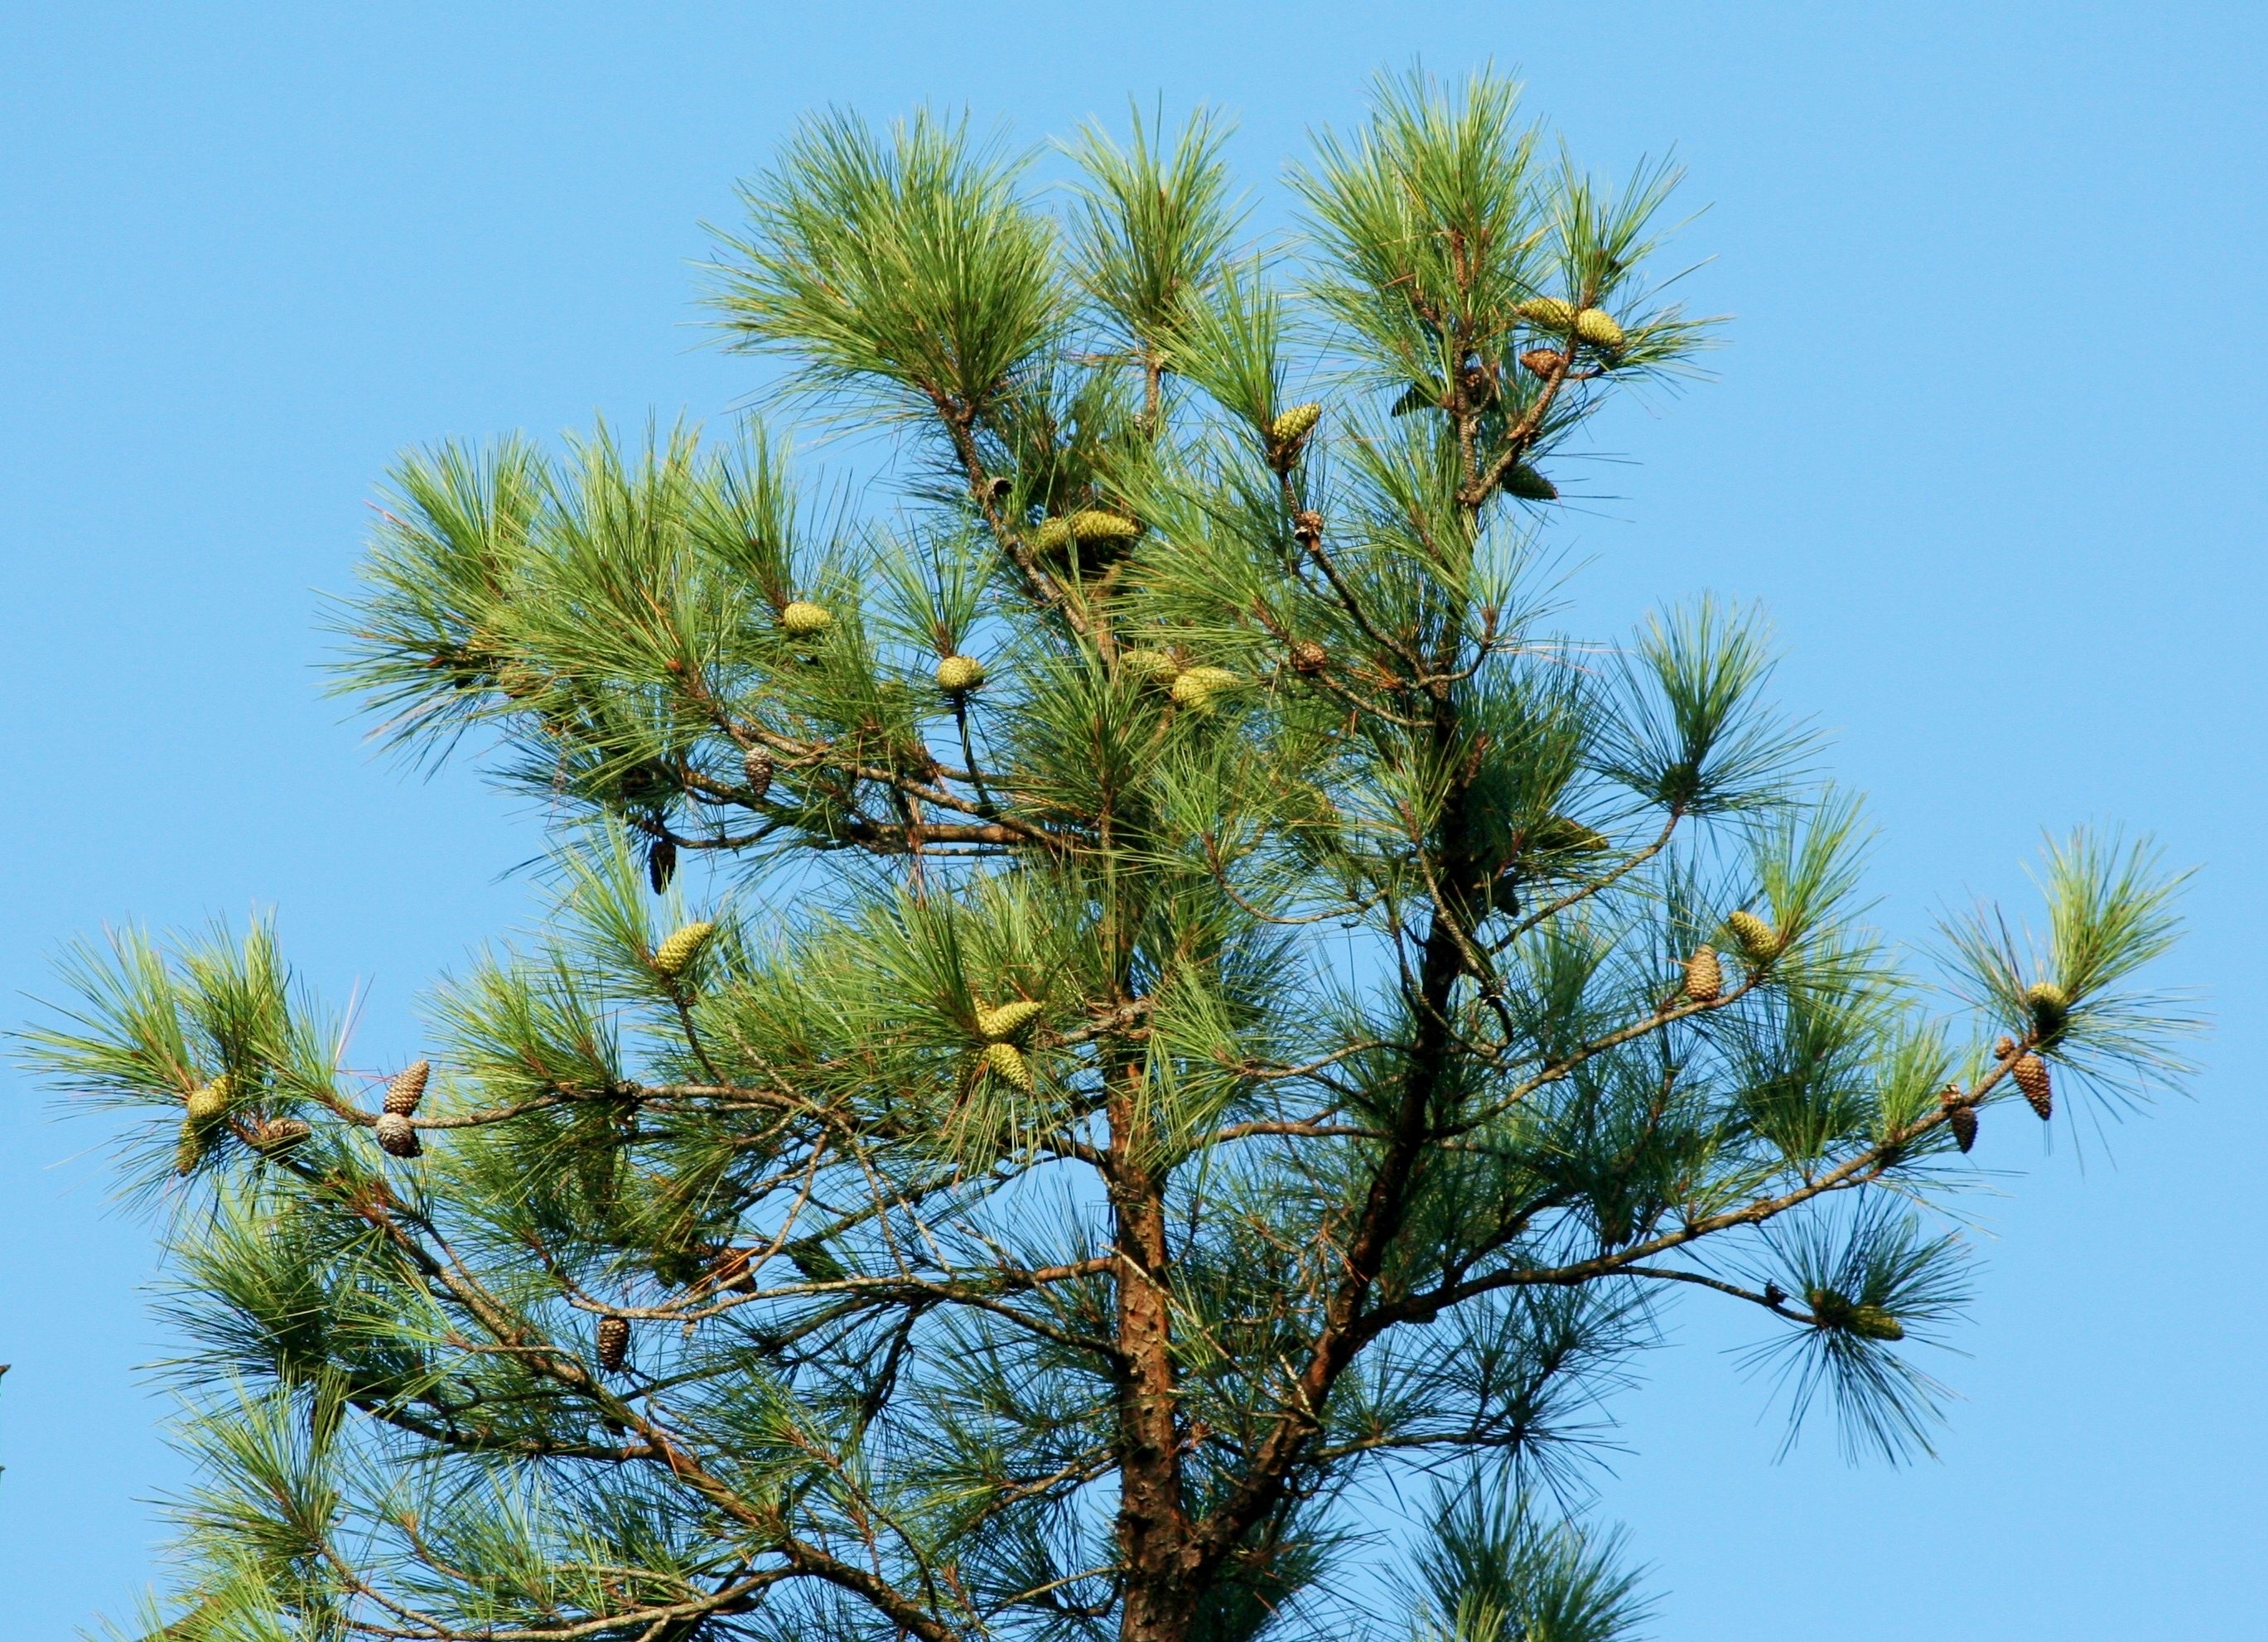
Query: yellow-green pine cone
1705	976
1295	423
396	1137
209	1101
1873	1323
1758	941
1196	688
1157	665
1563	834
957	675
1007	1021
189	1148
2031	1075
1548	313
674	956
1007	1062
806	620
1597	326
2049	1007
1052	535
1095	524
1524	483
408	1088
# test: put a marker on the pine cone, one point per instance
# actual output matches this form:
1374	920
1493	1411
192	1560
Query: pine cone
1196	688
1758	941
805	620
1521	481
1052	535
661	862
1960	1116
2049	1007
1597	326
1007	1021
757	765
1548	313
1157	665
674	956
957	675
2002	1047
1564	835
1705	976
2031	1074
1007	1062
395	1137
1310	656
1294	425
613	1344
209	1101
1095	524
279	1135
1873	1323
189	1148
1544	362
1307	527
408	1088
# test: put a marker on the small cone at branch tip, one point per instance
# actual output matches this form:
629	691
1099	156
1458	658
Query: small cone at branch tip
957	675
757	765
1548	313
1597	326
2002	1047
805	620
1310	656
1524	483
1095	524
1294	424
1157	665
395	1137
209	1101
1197	689
279	1134
1544	362
408	1088
1705	976
660	863
1758	941
674	956
1007	1021
1830	1308
613	1344
1051	535
189	1148
1007	1062
2049	1007
2031	1075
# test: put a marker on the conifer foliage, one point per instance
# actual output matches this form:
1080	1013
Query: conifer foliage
1193	1002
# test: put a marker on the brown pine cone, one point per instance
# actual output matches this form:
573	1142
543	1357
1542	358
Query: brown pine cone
1962	1119
1705	976
1543	362
1310	656
661	863
758	766
613	1344
2031	1074
396	1137
408	1088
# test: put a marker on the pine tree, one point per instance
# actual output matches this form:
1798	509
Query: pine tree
1210	1001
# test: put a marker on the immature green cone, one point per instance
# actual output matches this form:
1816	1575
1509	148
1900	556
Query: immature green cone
1051	535
1007	1062
278	1135
1597	326
396	1137
1758	941
2049	1007
1873	1323
2031	1075
673	957
408	1088
1705	976
1521	481
613	1344
209	1101
1563	834
957	675
1007	1021
1195	688
805	620
1294	425
1095	524
1548	313
1157	665
189	1148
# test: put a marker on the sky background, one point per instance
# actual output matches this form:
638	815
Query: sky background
1986	438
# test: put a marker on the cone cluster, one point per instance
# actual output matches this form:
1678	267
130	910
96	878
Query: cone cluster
613	1344
676	955
408	1088
2031	1075
805	620
1705	976
957	675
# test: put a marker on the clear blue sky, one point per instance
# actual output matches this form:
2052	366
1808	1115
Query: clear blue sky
1987	439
